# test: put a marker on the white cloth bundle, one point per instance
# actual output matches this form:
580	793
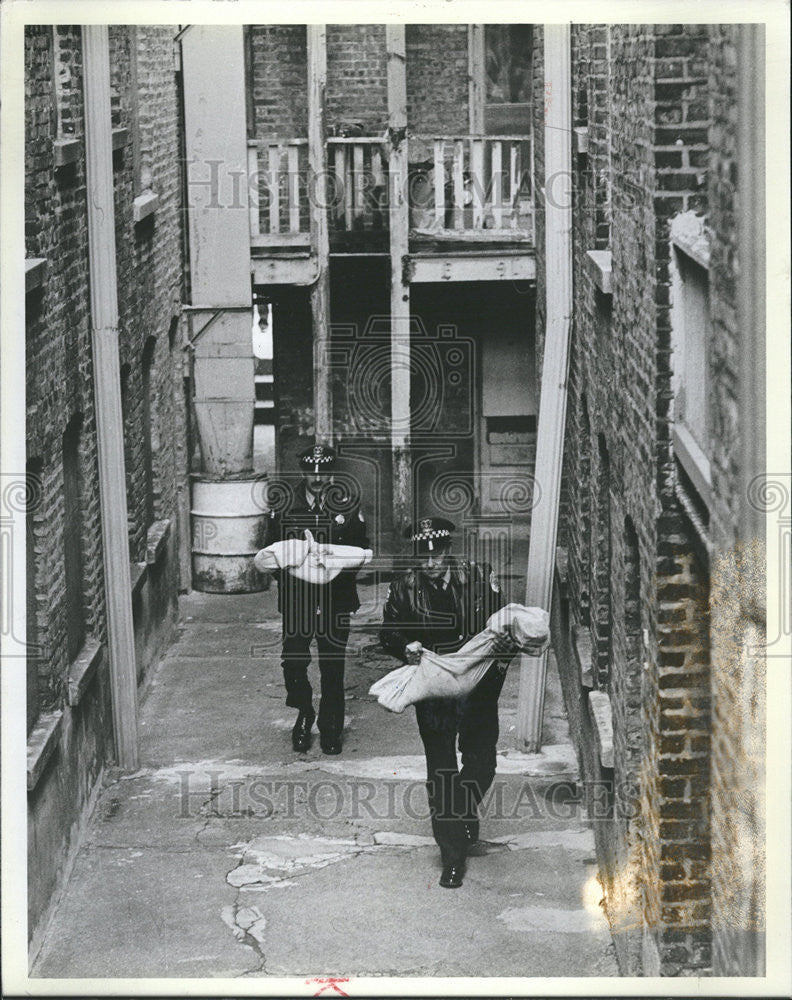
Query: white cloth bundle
456	674
308	560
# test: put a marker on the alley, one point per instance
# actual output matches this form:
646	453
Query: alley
226	855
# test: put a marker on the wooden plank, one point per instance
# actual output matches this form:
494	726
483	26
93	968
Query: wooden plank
293	188
274	154
477	181
439	182
473	235
400	289
253	188
476	70
358	179
339	172
514	182
497	184
107	390
376	168
268	240
459	184
443	268
284	270
430	137
320	238
348	191
357	140
553	397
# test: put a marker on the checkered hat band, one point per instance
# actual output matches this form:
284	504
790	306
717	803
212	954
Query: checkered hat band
434	533
312	460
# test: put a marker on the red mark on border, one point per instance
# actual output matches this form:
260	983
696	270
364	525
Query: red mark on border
329	984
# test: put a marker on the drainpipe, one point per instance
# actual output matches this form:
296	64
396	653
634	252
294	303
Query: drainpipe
107	390
553	397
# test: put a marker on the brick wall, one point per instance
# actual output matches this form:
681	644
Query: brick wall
357	76
59	387
638	90
437	88
437	78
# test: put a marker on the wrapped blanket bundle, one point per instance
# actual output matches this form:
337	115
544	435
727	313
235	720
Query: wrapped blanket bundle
456	674
307	560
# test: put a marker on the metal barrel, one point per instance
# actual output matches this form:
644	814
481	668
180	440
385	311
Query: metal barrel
229	518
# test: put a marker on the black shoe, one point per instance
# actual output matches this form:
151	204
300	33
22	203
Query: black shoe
301	734
452	876
330	745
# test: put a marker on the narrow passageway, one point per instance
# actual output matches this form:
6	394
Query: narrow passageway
226	854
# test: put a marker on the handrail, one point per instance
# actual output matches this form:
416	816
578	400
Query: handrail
374	139
470	135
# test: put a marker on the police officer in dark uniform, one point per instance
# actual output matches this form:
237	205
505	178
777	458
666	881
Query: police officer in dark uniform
317	611
439	605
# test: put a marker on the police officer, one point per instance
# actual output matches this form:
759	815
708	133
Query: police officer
312	611
439	605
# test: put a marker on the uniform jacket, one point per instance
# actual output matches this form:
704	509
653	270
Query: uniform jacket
337	521
415	611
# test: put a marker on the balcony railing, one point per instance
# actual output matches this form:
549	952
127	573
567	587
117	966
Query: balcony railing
464	187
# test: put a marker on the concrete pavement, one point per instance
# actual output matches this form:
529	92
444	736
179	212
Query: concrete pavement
227	855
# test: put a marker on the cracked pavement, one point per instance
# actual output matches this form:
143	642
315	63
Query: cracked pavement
227	855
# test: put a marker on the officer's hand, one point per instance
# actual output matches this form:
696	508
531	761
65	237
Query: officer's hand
504	645
413	651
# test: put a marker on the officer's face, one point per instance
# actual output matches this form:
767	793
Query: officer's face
434	563
317	482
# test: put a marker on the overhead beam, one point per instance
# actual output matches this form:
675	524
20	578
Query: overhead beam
441	268
553	396
320	237
400	290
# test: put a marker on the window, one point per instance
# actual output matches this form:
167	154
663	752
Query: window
72	539
691	325
508	67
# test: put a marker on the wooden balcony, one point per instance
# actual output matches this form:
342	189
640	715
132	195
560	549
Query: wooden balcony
464	194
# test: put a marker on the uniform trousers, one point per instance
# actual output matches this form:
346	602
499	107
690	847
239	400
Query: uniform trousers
331	634
454	795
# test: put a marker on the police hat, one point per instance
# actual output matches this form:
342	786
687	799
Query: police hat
429	531
318	458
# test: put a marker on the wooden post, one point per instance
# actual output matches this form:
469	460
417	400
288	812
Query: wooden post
320	237
107	390
400	290
476	62
553	397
